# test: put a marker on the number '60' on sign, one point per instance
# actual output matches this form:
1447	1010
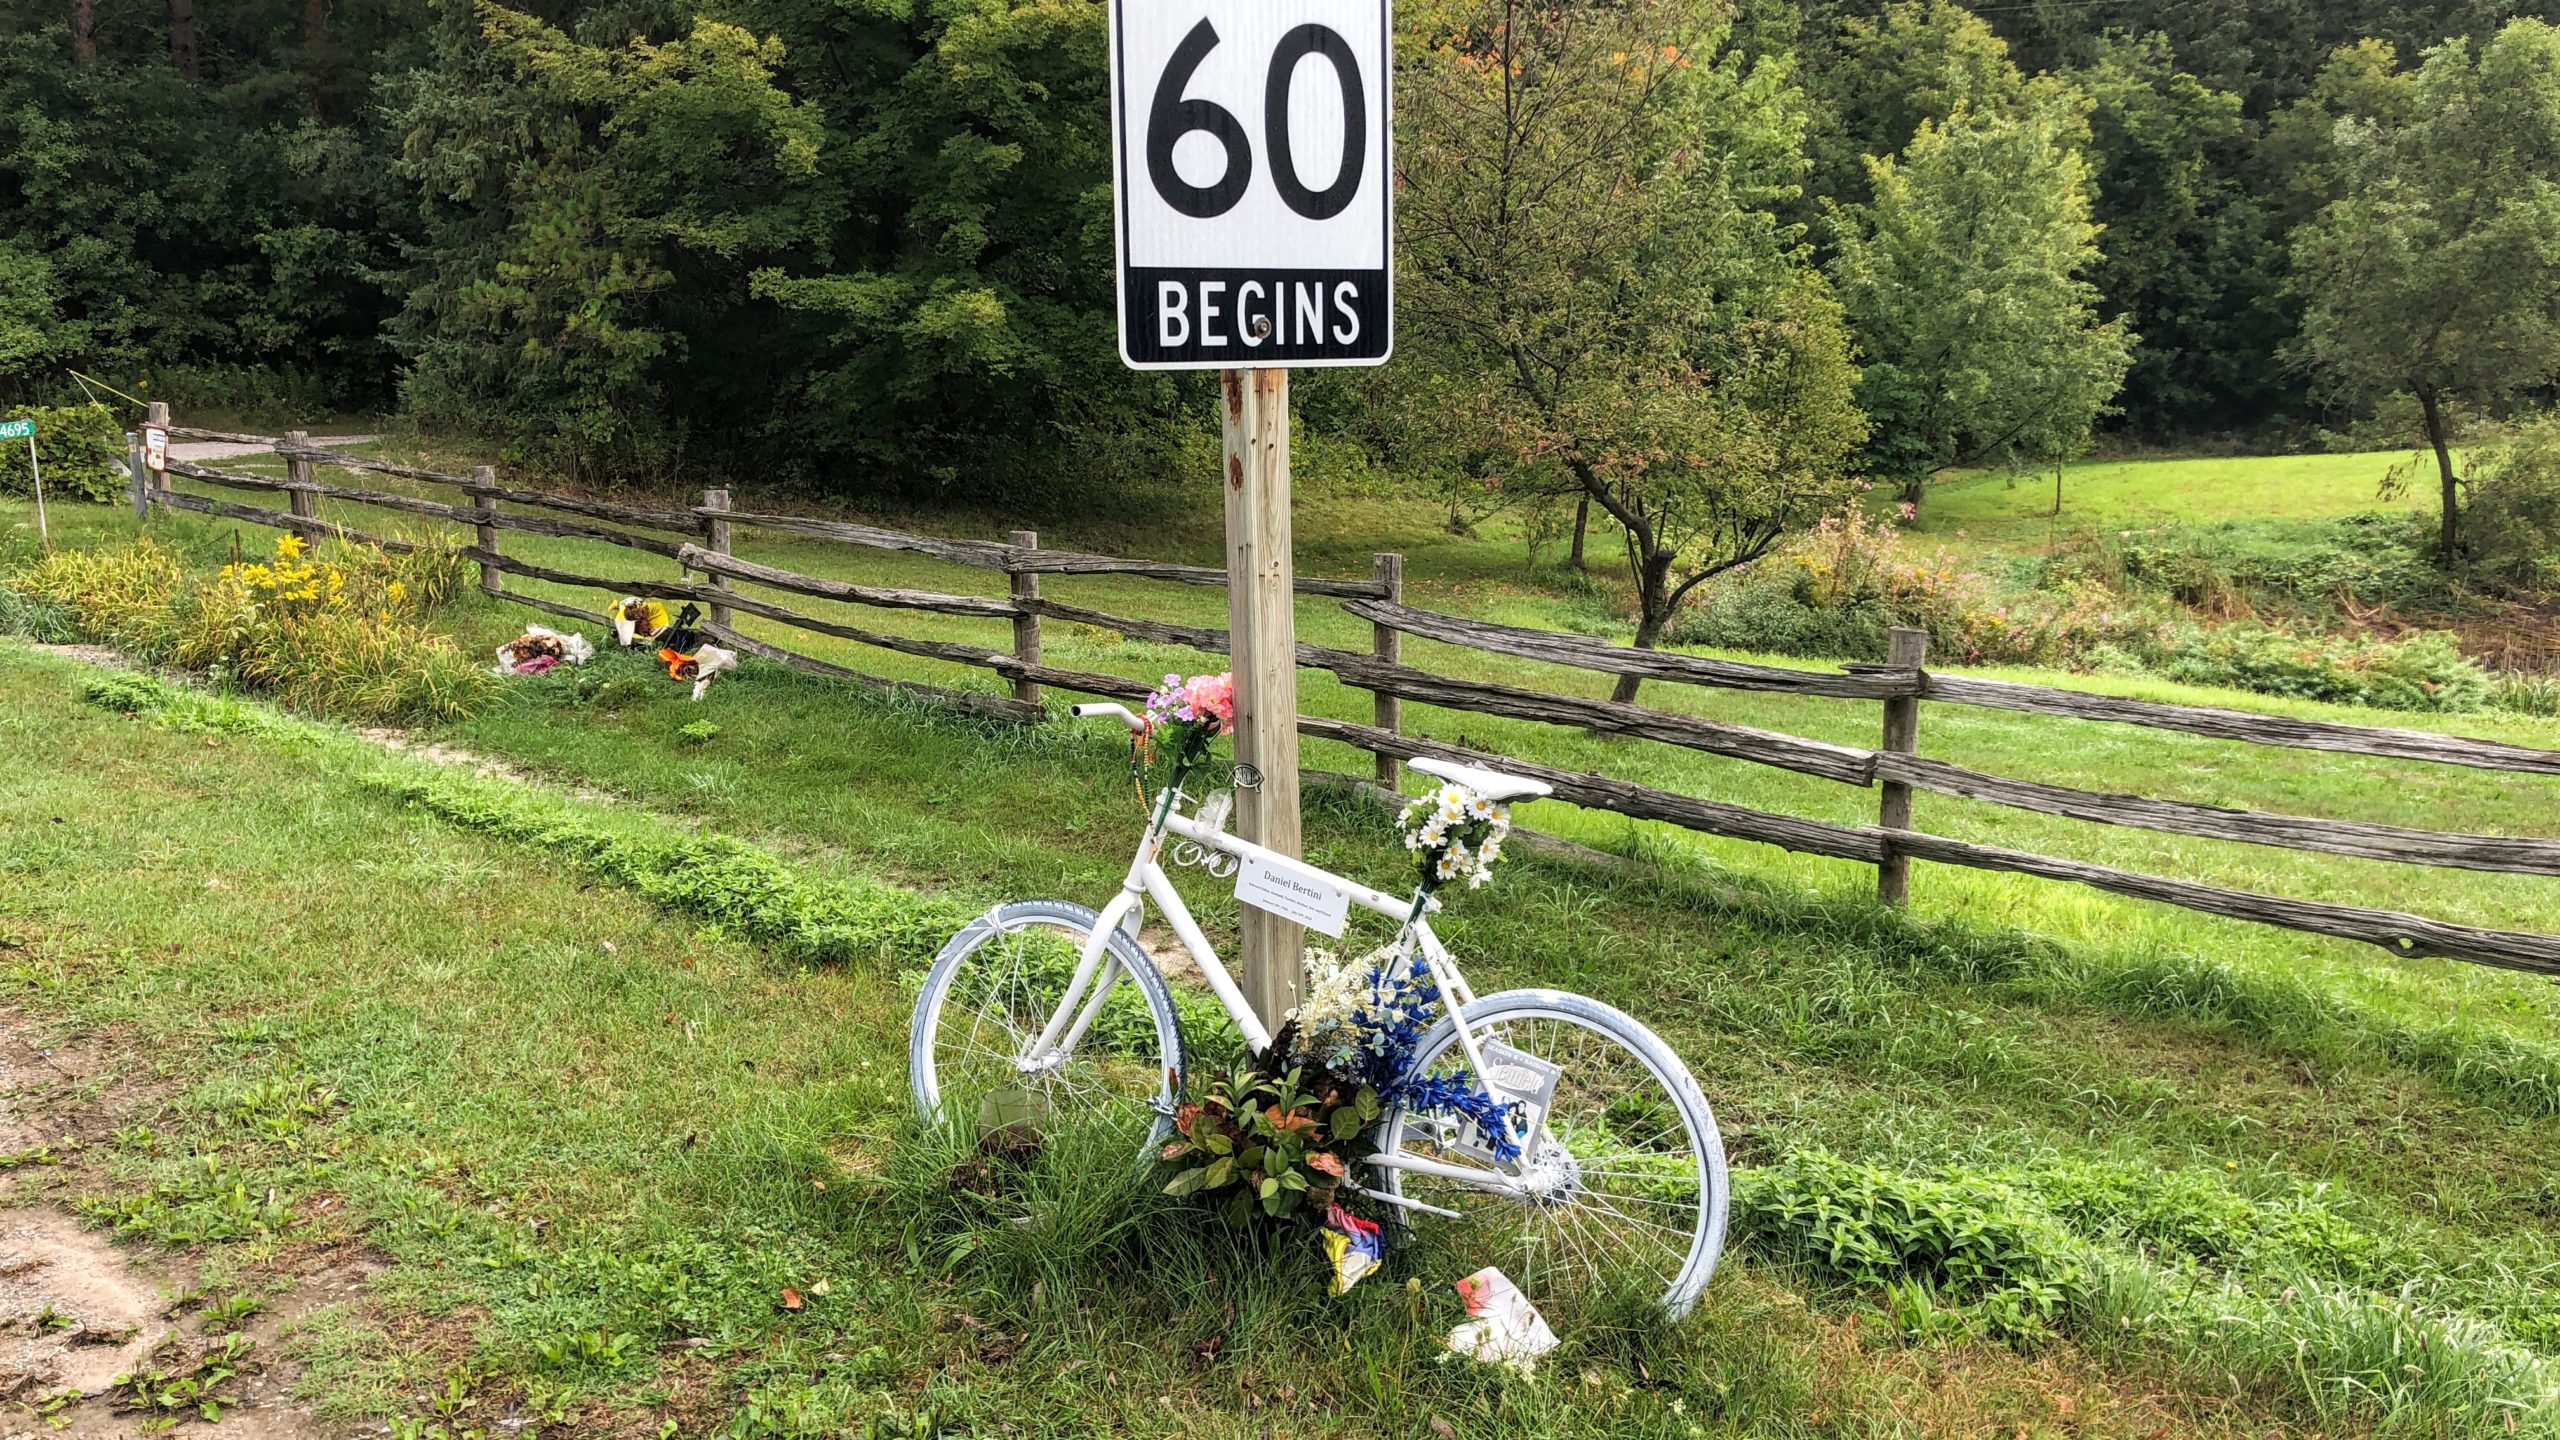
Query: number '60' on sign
1251	182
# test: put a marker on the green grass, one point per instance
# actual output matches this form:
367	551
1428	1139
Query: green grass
1994	510
581	1071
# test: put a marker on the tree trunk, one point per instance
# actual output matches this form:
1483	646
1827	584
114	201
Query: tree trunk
1581	527
182	36
84	32
1648	635
1653	616
315	40
2449	526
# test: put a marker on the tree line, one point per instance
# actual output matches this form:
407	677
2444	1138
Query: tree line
1700	267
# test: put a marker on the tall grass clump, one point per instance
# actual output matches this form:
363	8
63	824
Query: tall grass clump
2280	1294
346	636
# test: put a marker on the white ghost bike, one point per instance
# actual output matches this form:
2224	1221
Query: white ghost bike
1619	1182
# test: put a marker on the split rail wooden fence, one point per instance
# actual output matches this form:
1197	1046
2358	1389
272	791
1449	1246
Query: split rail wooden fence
1894	767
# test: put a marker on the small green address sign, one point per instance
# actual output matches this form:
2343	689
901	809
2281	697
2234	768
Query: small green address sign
17	429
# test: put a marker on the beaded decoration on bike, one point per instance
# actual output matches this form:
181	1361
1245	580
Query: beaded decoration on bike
1456	835
1364	1018
1181	718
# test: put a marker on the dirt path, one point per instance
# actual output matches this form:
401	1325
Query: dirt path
80	1314
198	452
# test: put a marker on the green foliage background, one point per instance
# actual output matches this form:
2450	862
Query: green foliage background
866	243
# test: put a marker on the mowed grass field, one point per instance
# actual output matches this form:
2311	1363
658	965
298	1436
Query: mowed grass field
1996	511
595	1138
1487	577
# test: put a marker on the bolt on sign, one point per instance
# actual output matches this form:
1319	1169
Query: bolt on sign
1252	186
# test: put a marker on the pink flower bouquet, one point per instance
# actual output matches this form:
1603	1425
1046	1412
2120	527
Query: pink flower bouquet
1182	717
1207	701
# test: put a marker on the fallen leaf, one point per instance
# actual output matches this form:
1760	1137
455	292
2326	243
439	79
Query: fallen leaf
1443	1429
790	1298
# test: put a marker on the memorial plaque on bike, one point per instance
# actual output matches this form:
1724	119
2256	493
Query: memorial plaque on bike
1521	1080
1251	188
1295	892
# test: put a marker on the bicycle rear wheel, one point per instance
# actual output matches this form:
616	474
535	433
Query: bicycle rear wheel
992	991
1625	1191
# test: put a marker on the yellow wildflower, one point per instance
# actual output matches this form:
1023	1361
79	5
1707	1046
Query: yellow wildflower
290	545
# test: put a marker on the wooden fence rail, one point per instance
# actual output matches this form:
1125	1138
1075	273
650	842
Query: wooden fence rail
698	539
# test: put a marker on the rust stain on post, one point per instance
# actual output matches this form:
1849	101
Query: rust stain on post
1235	396
1235	472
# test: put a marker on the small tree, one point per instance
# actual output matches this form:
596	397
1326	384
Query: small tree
1964	283
1594	281
2437	269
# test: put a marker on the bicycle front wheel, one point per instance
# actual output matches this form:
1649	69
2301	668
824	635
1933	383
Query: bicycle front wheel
991	994
1622	1192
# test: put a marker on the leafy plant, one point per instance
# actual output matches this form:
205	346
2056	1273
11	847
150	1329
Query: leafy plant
1259	1144
193	1387
596	1349
699	732
230	1312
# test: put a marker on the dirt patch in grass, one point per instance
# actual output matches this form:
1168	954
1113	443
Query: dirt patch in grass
97	1339
86	654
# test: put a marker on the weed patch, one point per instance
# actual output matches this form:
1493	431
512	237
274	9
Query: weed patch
745	890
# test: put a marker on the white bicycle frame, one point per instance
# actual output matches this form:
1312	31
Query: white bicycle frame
1147	880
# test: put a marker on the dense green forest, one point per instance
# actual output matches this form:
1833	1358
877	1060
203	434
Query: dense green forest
870	240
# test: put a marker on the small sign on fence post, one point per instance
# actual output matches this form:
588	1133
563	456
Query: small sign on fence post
1230	259
26	430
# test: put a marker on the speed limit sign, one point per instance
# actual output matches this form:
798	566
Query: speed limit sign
1250	150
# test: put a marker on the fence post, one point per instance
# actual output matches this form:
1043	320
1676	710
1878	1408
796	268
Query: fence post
484	510
1901	737
159	416
302	503
715	538
1387	643
1026	626
141	477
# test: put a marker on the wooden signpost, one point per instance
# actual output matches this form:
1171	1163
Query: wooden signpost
1251	190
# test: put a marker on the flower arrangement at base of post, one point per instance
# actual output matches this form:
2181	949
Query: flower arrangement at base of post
1284	1135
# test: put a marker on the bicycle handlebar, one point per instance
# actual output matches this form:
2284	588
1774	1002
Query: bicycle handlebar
1115	712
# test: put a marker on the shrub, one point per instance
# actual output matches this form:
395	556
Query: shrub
2512	527
81	448
1839	591
2425	671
